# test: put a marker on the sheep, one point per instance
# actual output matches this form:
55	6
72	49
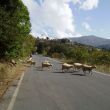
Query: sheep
13	62
30	61
66	66
77	66
33	62
20	60
30	58
88	68
46	64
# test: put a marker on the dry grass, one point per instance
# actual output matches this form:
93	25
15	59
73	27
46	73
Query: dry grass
8	74
104	68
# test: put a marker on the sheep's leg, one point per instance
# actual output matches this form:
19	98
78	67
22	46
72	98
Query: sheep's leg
76	69
66	70
85	72
91	72
42	68
63	70
73	69
51	67
69	69
48	68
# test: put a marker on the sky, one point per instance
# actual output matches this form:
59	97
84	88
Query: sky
69	18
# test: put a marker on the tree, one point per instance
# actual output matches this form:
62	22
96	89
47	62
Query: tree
40	47
65	40
14	27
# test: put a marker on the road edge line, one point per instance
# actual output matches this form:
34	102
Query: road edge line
11	104
101	73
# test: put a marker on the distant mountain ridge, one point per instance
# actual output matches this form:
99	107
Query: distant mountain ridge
93	41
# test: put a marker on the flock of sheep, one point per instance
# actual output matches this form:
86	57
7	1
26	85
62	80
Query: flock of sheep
66	66
78	66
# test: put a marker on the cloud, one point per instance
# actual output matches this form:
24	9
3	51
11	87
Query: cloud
86	4
101	30
53	17
76	1
87	26
89	4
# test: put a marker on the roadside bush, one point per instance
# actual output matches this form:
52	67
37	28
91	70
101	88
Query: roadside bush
55	55
3	73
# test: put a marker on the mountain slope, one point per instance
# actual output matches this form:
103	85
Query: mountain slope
106	46
93	41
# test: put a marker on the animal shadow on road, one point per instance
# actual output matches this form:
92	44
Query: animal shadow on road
58	72
78	74
63	72
39	68
70	73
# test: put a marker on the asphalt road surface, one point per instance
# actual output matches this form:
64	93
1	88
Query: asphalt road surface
54	90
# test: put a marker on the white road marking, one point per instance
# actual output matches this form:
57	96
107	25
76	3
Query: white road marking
10	107
102	73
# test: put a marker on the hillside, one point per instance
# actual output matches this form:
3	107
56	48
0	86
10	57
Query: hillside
106	46
93	41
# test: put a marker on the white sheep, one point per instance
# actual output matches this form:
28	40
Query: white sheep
88	68
46	64
77	66
30	61
33	62
66	66
13	62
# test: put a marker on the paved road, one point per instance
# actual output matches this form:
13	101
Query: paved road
54	90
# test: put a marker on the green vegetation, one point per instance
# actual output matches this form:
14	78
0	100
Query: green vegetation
73	52
15	41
